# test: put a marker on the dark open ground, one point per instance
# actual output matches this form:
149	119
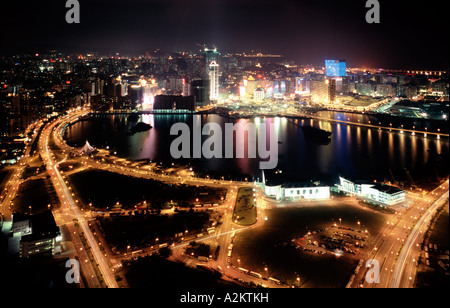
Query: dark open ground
104	189
270	245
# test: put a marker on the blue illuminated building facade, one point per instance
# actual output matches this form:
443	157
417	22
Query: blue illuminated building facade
335	68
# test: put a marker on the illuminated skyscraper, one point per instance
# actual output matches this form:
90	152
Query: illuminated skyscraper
258	95
212	72
331	90
336	69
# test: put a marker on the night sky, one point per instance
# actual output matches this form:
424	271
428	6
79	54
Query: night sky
411	34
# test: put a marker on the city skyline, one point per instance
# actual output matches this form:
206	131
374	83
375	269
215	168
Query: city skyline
187	147
307	33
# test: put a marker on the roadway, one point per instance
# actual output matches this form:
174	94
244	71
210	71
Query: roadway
68	204
402	130
294	113
398	243
405	269
223	237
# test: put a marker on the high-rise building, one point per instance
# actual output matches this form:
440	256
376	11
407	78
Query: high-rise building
258	95
212	72
123	88
6	114
97	86
176	86
200	89
331	90
319	91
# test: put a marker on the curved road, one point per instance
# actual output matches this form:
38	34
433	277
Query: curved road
67	201
400	278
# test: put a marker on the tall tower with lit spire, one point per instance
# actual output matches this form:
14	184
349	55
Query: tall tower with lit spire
212	71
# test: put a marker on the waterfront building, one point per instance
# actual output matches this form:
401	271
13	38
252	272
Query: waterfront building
174	103
295	190
87	149
378	193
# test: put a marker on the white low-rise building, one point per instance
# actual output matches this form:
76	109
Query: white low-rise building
297	191
308	192
382	194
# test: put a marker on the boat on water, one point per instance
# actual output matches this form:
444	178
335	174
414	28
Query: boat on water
140	127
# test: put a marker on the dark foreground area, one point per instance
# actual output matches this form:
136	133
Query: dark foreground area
156	273
104	189
138	231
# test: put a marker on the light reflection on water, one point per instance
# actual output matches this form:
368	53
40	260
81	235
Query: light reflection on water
353	151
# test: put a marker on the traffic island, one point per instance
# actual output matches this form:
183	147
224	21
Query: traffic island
245	208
